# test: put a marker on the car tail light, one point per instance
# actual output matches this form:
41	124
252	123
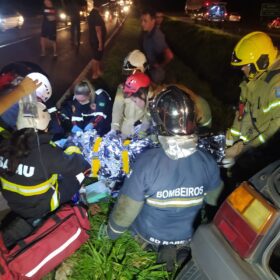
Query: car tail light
244	218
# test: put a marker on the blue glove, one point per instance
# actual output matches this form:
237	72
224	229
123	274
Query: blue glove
61	143
88	127
76	129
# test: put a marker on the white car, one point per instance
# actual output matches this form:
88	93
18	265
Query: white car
10	19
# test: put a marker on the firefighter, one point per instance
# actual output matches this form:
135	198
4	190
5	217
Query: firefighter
137	89
258	117
125	111
14	78
160	200
202	109
36	176
90	109
25	87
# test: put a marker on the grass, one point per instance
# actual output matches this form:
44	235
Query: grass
123	259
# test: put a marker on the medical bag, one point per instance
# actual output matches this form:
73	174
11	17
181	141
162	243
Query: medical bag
59	236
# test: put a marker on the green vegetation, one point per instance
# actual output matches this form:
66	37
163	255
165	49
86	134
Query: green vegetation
202	64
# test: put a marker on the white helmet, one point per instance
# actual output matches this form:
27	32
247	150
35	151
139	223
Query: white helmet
135	60
41	122
44	91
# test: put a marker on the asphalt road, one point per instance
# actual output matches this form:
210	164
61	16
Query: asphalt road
24	45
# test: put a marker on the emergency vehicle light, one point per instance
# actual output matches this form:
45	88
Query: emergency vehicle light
244	218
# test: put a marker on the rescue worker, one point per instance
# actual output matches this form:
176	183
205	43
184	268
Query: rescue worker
11	77
202	109
159	201
258	117
142	98
36	176
125	112
89	109
138	90
24	88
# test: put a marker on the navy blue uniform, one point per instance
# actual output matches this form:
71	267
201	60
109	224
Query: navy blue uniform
82	115
172	193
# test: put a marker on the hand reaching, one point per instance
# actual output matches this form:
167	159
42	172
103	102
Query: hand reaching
28	86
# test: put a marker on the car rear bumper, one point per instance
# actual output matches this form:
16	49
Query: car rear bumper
217	260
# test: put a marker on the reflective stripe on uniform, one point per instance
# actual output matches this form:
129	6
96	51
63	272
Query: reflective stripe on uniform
244	138
94	114
2	129
261	138
72	150
29	190
77	119
175	202
55	198
235	132
271	106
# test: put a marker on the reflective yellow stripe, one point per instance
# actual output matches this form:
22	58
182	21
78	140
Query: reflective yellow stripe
271	106
2	129
55	198
52	143
245	139
96	145
261	138
72	150
29	190
235	132
95	164
125	157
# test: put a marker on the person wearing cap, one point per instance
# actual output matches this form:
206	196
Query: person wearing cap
159	202
36	176
125	112
89	109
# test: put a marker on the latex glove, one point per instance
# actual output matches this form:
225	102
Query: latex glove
234	150
227	162
61	143
76	129
88	127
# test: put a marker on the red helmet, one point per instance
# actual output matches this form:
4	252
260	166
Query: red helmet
135	83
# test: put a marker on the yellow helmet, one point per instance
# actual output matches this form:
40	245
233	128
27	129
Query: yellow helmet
255	49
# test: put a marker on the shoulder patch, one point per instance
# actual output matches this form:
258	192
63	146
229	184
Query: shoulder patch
277	92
